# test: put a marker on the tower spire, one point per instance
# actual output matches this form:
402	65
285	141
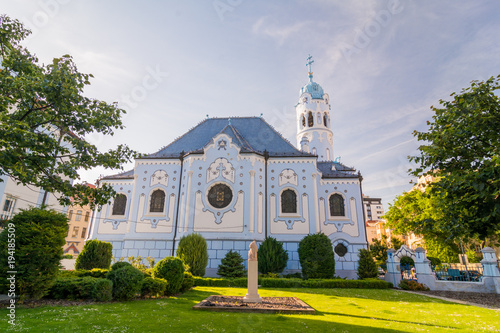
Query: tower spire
309	63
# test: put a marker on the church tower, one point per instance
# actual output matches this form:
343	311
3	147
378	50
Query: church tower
313	119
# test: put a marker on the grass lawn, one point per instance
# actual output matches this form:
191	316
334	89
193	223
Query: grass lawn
339	310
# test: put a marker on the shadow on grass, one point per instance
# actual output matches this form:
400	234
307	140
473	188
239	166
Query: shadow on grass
320	313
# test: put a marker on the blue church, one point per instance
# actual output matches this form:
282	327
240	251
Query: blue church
235	180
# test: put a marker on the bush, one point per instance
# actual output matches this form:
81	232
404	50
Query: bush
67	256
295	283
231	265
434	261
172	270
188	282
367	268
126	282
103	290
73	288
316	257
412	285
193	251
96	272
153	287
270	275
95	254
297	275
40	236
119	264
272	257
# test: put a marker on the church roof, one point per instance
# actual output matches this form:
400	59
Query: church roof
314	89
331	169
250	134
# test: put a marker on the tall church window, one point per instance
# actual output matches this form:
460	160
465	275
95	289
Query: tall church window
325	120
337	205
289	201
157	204
120	204
310	120
303	121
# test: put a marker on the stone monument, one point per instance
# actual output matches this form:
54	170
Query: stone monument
253	267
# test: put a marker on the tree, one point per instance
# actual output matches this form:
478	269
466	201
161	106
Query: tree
44	118
462	148
396	243
232	265
39	237
95	254
193	252
272	257
367	268
379	250
316	257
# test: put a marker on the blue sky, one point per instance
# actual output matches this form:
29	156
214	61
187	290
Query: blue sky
171	63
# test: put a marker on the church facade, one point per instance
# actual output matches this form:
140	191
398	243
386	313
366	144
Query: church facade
235	180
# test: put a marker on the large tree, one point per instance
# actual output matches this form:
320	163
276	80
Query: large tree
44	118
462	149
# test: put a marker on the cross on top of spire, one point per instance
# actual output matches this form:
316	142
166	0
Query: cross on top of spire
309	63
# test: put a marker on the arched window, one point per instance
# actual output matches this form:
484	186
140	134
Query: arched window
288	201
325	120
337	205
310	120
157	203
120	204
303	121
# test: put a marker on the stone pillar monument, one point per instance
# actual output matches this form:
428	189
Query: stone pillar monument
253	267
491	274
393	274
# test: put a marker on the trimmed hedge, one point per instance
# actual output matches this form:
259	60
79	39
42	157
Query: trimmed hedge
295	283
188	282
193	252
316	257
81	288
119	264
96	273
272	257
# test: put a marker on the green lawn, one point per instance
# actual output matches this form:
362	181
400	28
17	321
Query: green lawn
339	310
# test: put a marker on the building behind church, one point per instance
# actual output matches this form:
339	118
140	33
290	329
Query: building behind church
235	180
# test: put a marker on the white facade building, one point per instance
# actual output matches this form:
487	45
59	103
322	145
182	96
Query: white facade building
235	180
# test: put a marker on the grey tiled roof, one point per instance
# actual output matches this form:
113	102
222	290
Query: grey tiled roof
251	134
336	170
123	175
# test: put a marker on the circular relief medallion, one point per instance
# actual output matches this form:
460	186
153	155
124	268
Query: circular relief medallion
220	195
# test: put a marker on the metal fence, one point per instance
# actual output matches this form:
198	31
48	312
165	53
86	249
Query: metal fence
448	273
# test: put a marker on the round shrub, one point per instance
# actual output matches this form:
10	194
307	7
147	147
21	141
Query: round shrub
316	257
231	265
103	290
172	270
126	282
95	254
193	251
119	264
153	287
272	257
367	268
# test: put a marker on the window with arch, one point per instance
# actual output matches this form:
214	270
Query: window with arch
289	202
337	205
310	120
303	121
157	204
120	204
325	120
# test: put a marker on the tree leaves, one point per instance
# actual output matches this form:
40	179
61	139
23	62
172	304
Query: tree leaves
44	117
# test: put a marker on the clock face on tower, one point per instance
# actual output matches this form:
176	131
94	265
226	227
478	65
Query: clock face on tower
220	196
